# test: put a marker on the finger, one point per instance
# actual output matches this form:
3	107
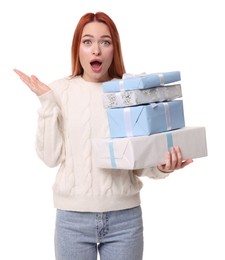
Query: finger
34	82
173	158
28	81
167	166
25	78
20	73
38	83
168	161
33	85
187	162
179	157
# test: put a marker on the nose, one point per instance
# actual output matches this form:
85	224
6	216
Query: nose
96	50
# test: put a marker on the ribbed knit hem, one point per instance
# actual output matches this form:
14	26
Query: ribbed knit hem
86	203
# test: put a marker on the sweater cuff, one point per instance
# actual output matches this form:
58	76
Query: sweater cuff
159	174
47	101
151	172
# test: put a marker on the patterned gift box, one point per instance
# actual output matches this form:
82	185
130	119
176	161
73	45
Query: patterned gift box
145	119
138	97
141	82
148	151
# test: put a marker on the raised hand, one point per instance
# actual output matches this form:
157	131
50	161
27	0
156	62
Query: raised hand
174	161
35	85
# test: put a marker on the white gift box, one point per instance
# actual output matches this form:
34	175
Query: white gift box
144	96
146	151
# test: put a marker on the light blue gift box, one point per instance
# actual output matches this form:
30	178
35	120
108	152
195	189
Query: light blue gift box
141	82
145	119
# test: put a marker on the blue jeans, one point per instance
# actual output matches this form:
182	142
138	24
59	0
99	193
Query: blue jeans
117	235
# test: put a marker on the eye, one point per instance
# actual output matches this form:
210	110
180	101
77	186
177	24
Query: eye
105	43
87	42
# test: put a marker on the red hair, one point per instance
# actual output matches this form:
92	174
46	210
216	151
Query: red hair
117	68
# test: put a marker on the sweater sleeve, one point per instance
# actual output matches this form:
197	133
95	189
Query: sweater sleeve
49	138
152	172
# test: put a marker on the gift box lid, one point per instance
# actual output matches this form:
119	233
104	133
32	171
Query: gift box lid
141	82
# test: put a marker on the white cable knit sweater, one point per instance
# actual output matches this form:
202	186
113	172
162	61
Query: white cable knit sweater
71	115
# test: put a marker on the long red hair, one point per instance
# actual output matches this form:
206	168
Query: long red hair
117	68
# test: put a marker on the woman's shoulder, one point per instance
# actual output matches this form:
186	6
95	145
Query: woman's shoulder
63	83
59	83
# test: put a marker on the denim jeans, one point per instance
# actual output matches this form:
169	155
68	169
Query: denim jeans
116	235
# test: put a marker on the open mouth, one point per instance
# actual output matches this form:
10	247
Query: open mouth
96	64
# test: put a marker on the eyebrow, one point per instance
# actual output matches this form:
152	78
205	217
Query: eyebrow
103	36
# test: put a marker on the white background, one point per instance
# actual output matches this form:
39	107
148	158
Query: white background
183	214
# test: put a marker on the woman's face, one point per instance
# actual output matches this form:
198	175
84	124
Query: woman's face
96	52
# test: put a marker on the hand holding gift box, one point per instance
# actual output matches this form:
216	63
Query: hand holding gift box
148	151
147	134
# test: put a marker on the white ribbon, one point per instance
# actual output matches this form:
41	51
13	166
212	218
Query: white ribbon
121	85
161	79
127	121
118	97
130	75
161	93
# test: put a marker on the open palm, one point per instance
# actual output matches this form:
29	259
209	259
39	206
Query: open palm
35	85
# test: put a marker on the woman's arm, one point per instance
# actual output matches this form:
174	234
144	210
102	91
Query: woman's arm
49	138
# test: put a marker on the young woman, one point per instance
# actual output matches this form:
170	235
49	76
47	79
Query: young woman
97	209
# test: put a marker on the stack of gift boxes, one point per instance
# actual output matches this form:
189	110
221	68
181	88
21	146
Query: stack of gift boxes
146	118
